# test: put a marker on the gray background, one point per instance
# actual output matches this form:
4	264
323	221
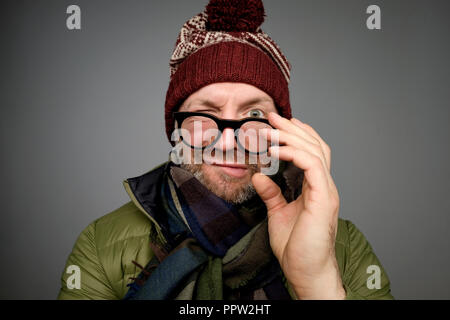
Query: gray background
83	110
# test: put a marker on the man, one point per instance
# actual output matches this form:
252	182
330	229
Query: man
220	228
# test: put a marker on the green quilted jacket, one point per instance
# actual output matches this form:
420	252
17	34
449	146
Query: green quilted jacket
105	249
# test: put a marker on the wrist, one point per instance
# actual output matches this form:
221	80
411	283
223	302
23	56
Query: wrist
326	286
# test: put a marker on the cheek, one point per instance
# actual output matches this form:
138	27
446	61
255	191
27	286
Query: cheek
209	170
212	174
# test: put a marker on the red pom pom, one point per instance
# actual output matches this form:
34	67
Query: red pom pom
234	15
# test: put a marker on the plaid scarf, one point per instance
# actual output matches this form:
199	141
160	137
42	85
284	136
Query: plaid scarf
215	250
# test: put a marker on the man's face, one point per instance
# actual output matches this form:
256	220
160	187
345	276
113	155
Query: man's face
228	100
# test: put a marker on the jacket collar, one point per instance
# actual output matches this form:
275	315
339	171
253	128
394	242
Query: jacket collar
144	191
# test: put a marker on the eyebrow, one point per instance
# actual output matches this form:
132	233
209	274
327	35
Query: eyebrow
209	103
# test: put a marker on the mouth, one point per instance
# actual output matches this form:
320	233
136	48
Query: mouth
232	169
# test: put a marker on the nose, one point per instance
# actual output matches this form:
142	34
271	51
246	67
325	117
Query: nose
227	140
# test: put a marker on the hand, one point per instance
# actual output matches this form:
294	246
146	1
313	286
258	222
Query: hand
302	233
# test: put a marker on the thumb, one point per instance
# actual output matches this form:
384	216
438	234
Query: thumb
269	192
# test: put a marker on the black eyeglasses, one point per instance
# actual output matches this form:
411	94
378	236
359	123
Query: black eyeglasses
202	130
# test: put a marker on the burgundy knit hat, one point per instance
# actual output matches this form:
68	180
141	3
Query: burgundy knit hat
225	43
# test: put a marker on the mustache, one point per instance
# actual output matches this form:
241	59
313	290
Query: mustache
251	161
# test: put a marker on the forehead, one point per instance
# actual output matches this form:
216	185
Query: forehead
219	94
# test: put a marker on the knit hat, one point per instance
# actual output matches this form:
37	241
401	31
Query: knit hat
225	43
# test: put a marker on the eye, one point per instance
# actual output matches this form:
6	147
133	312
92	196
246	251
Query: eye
255	113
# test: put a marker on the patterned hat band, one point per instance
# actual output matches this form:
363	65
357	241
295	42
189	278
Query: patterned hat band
194	36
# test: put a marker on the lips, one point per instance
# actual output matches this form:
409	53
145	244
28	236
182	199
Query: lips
232	169
230	165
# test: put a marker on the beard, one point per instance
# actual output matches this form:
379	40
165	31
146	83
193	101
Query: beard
231	189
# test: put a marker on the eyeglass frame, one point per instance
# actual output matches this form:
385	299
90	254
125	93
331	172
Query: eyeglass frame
222	124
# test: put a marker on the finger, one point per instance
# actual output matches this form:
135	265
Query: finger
326	152
313	167
295	141
284	124
269	192
325	147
